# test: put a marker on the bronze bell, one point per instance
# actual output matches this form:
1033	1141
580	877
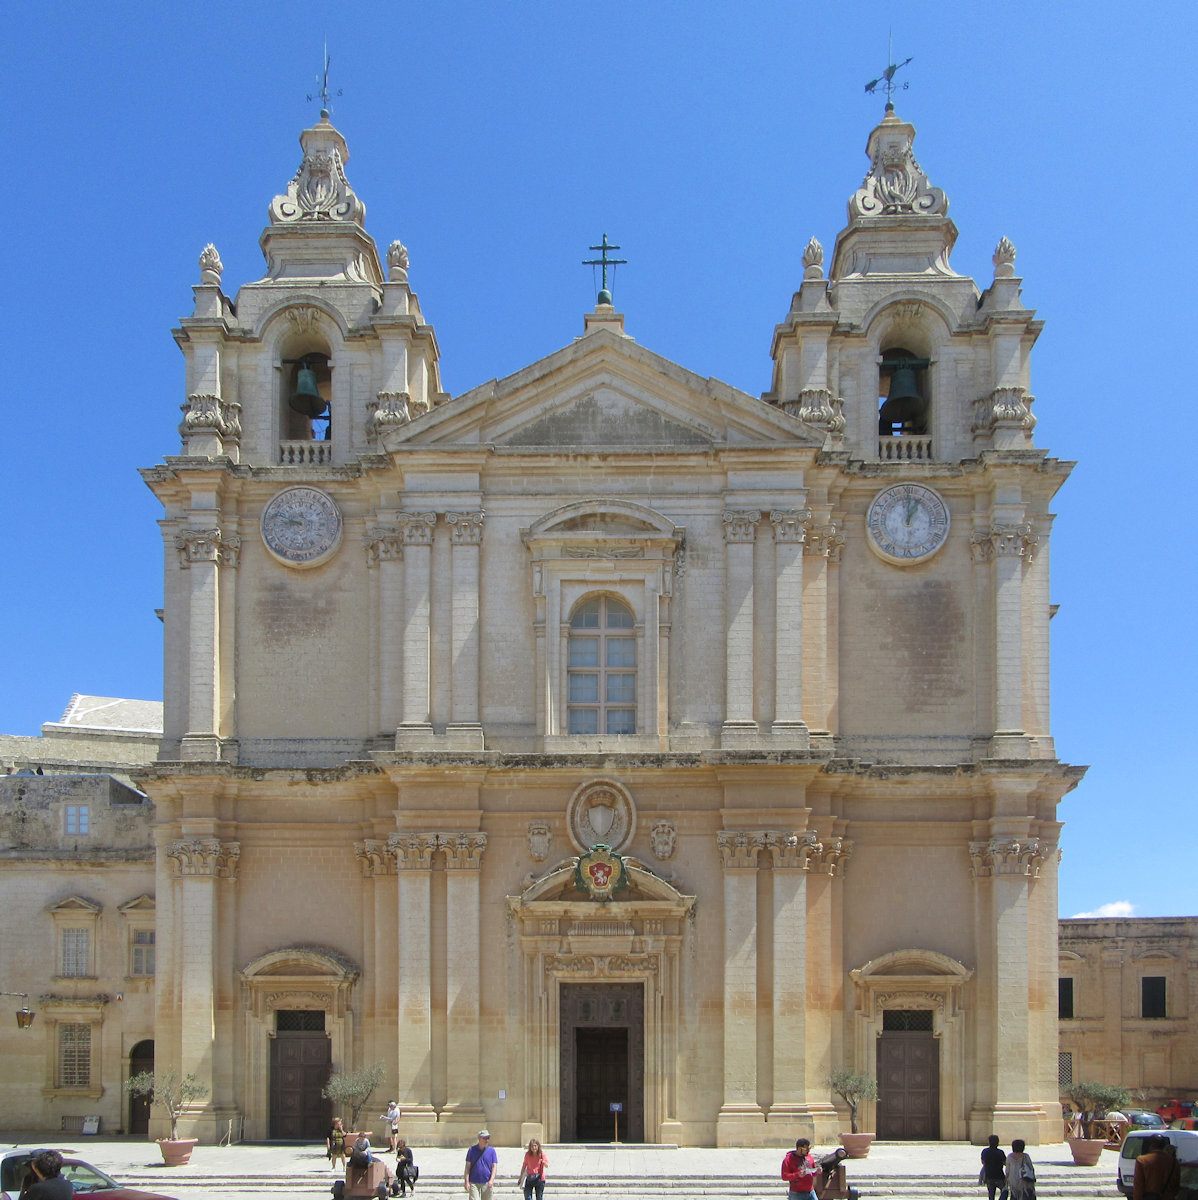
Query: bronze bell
904	404
307	398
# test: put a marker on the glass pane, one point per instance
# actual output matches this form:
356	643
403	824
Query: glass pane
584	720
621	652
619	616
621	720
621	689
586	616
584	652
584	689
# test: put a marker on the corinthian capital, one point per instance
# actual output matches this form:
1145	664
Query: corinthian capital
417	528
463	851
790	524
824	541
465	528
205	856
413	851
1006	856
383	545
374	857
795	851
207	545
740	524
1004	541
740	849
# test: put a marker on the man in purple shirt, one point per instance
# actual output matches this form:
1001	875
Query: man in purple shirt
481	1161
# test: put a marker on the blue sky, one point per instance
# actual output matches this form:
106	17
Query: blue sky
710	140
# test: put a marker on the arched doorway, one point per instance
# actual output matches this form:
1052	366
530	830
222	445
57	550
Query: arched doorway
141	1058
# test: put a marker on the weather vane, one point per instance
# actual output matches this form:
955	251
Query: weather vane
886	79
323	80
604	262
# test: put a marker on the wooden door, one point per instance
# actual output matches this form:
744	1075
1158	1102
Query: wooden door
601	1058
141	1058
300	1064
908	1086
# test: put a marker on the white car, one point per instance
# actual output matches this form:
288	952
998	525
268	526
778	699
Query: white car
1185	1142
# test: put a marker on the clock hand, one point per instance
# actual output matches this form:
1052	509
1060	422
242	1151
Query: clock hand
912	505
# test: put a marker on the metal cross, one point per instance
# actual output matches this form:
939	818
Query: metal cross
886	79
603	261
323	80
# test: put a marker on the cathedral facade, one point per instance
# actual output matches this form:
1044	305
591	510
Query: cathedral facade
606	742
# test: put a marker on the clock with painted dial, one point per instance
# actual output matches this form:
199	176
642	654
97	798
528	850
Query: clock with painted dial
907	523
302	527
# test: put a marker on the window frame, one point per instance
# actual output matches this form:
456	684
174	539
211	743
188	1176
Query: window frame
606	636
73	916
1066	998
76	820
1148	1000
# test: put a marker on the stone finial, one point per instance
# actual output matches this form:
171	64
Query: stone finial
397	262
1004	259
210	266
813	260
895	183
319	190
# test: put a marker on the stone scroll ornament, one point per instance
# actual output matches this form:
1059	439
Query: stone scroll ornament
600	874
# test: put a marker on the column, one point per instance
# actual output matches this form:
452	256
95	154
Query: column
414	1074
1006	866
378	1017
198	864
202	552
465	730
741	1119
466	967
790	531
384	551
416	530
740	532
1007	546
821	548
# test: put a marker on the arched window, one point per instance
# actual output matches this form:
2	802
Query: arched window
602	667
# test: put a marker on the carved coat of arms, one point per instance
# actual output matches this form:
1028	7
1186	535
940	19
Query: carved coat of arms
600	873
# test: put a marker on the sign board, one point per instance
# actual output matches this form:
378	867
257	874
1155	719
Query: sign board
615	1106
91	1125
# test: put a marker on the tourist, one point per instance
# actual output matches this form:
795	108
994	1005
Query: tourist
994	1169
391	1119
799	1169
47	1167
1157	1175
406	1171
481	1161
532	1171
334	1142
1021	1175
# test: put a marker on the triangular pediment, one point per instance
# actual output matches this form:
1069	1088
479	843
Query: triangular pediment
605	392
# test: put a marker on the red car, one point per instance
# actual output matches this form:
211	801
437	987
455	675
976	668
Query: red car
14	1167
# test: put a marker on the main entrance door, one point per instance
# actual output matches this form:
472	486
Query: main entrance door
602	1062
908	1083
300	1064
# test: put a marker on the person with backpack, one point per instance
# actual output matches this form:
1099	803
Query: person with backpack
799	1169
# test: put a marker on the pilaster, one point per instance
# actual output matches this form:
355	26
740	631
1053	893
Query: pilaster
740	535
790	532
465	731
415	728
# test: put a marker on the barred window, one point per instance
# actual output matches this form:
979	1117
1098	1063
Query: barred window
76	952
78	819
602	667
1065	1069
142	958
74	1056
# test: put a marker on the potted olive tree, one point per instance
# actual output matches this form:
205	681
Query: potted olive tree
352	1089
1093	1101
174	1092
852	1089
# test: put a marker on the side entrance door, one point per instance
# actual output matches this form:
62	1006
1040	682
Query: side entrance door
141	1058
908	1084
300	1065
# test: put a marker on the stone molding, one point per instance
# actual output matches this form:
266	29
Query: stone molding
603	965
1006	856
463	851
740	524
465	528
204	857
1004	541
739	849
375	858
801	851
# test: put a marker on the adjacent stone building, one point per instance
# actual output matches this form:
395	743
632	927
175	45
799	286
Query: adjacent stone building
605	734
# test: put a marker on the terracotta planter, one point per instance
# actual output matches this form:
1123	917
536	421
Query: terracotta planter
177	1153
1086	1151
857	1144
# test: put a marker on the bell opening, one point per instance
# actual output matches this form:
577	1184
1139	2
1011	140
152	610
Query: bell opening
307	389
903	395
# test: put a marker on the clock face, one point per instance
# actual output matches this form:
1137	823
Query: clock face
907	523
302	527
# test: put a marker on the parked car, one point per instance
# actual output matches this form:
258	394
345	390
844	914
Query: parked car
1139	1118
14	1167
1185	1142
